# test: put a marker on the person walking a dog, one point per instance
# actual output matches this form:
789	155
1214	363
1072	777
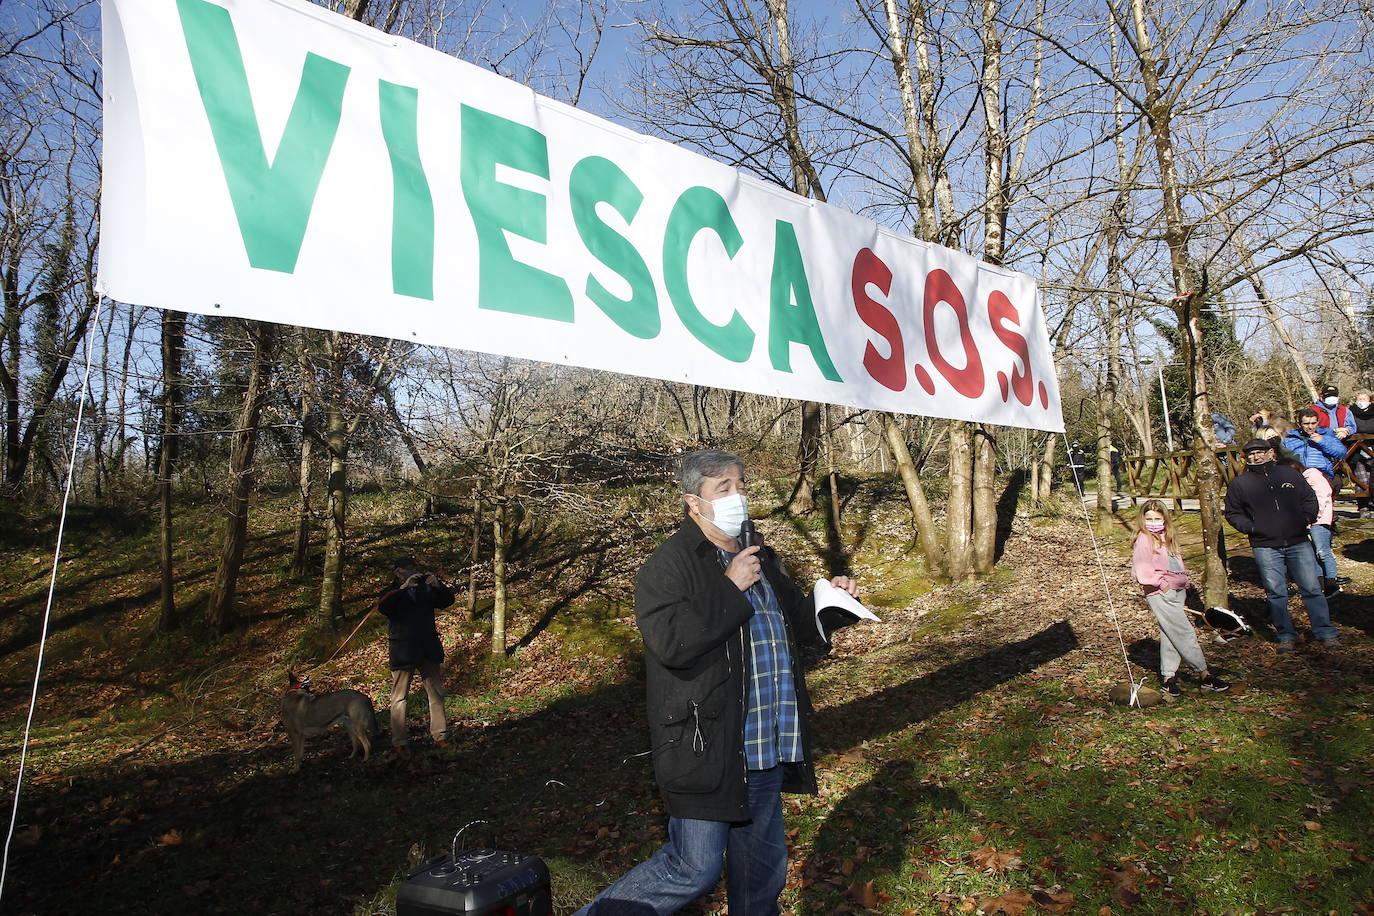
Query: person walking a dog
1158	567
409	603
727	702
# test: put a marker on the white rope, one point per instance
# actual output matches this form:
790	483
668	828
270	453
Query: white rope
1102	570
47	611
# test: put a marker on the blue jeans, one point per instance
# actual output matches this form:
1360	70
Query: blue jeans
689	864
1321	539
1276	565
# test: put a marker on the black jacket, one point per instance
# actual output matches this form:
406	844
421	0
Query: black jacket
693	620
412	638
1273	504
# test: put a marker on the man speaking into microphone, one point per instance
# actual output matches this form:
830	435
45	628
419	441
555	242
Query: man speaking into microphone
727	703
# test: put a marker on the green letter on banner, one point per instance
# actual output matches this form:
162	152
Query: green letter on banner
272	202
593	180
788	322
697	209
504	283
412	206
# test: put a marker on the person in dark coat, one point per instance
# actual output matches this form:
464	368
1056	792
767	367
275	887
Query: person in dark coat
1274	506
727	702
1360	464
1078	466
409	603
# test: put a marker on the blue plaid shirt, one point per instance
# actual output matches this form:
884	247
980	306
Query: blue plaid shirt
772	726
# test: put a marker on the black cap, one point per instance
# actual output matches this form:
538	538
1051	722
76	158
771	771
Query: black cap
1329	389
403	563
1257	445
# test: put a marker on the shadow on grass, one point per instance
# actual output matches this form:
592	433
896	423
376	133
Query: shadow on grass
252	838
896	788
896	707
1006	510
1360	551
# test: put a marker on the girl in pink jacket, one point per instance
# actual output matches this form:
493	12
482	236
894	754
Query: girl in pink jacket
1324	527
1159	569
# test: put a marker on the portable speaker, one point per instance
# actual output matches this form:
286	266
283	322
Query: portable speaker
477	882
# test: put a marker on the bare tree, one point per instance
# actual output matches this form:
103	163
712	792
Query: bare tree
173	341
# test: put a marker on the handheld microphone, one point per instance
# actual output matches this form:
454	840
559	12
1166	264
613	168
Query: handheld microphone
748	534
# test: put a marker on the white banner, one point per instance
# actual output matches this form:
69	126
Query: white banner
269	159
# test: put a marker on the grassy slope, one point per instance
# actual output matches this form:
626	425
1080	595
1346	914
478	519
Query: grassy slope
968	760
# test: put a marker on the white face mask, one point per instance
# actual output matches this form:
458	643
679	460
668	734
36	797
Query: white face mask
1362	404
730	513
1331	401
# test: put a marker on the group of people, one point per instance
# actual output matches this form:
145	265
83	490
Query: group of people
1284	504
1319	440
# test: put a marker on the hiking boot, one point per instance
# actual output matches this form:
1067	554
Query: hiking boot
1214	683
1285	646
1170	686
402	751
440	743
1332	643
1332	589
1342	580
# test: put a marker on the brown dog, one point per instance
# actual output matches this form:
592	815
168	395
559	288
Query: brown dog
306	714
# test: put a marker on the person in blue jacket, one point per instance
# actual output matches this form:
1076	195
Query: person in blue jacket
1316	446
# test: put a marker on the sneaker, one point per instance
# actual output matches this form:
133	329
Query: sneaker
1332	590
1170	686
440	743
1212	682
1343	580
1285	646
402	751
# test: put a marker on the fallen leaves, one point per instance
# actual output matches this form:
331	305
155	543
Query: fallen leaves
992	862
1012	903
1123	881
1017	901
1052	900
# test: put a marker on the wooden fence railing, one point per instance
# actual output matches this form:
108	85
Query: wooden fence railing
1169	475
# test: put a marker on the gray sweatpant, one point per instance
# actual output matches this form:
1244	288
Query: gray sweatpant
1177	639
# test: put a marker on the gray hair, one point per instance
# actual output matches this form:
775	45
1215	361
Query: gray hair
709	462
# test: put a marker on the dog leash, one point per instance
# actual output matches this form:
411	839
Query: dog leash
351	635
346	639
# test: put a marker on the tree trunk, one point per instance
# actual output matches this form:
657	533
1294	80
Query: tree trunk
803	498
300	549
985	517
19	447
336	515
959	511
1107	402
1190	292
220	611
173	335
474	554
498	577
1046	460
916	495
